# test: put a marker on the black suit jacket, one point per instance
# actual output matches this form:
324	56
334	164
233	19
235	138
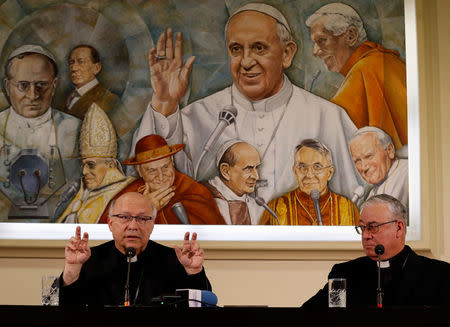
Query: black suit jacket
413	280
102	278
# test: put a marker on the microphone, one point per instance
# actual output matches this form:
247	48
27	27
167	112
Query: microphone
379	250
357	193
314	194
198	298
226	117
71	190
130	253
180	212
260	201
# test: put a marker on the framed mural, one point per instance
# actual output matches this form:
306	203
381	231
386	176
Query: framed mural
265	121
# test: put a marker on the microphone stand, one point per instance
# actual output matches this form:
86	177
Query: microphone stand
379	291
130	252
379	250
315	195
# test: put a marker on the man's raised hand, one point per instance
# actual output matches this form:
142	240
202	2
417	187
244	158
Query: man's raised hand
77	252
191	256
169	77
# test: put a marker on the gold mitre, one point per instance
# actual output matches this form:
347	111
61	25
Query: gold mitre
97	136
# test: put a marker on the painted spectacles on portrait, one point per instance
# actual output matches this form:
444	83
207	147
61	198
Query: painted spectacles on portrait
24	86
128	218
316	168
372	228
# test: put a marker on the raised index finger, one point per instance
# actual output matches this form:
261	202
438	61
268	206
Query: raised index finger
78	233
161	45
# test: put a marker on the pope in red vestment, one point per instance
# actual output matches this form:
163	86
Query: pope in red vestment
164	186
313	168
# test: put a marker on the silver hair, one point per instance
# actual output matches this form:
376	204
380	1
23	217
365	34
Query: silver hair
396	208
113	203
339	17
316	145
383	138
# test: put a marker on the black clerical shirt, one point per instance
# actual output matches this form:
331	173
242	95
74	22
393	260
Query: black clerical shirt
157	271
410	280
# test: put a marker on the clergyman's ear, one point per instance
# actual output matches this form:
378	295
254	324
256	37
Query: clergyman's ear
352	36
224	170
391	151
289	53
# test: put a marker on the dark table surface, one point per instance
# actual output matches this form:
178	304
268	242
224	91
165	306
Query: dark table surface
12	316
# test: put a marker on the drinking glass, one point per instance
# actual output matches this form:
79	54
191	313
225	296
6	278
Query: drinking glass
337	293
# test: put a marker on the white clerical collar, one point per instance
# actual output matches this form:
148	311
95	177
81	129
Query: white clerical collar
384	264
277	100
226	191
86	87
30	122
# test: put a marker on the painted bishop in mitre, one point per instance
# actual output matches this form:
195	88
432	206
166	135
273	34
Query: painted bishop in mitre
102	174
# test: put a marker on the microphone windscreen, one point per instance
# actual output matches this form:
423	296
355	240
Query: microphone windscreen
259	200
209	299
130	252
314	194
379	249
231	109
180	213
359	191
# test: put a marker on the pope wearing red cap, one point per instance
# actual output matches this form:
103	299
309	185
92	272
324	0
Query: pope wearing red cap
164	186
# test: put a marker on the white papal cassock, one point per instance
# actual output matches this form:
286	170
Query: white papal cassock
274	126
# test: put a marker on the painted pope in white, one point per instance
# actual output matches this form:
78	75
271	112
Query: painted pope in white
273	115
31	124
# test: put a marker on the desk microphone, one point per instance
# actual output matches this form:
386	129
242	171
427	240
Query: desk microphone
260	201
379	250
130	253
180	212
197	298
227	116
315	195
357	193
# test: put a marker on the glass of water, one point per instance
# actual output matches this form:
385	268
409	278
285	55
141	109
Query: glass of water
337	293
50	290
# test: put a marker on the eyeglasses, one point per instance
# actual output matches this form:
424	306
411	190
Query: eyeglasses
316	168
92	164
372	228
24	86
126	219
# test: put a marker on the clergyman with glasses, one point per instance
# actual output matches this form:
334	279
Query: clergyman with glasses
406	278
313	168
97	276
103	177
30	123
164	186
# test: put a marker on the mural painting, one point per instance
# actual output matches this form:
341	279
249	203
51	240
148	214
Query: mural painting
277	112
